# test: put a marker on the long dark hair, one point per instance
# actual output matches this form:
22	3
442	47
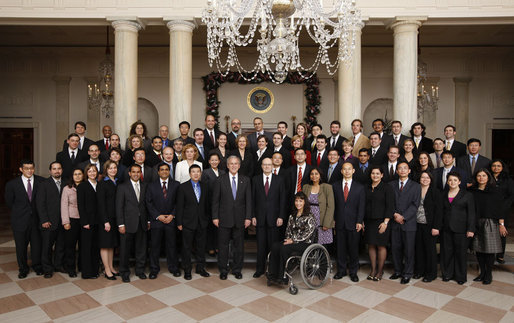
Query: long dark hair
71	182
505	170
306	207
490	179
321	174
133	128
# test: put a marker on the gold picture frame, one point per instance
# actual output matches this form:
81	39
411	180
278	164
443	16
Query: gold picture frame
260	100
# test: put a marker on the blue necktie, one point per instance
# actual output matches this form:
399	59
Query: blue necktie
234	187
197	192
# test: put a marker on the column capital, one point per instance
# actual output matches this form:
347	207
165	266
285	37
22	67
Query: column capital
133	25
404	24
61	79
462	79
180	25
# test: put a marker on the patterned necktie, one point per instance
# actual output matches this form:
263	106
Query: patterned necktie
266	186
29	190
473	164
299	183
212	137
374	152
391	171
330	170
234	187
417	142
401	186
164	190
197	191
438	158
345	192
396	140
448	147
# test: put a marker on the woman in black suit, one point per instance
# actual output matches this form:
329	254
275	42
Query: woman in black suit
245	155
221	150
423	163
263	151
505	185
379	210
88	210
429	221
489	216
107	231
458	226
115	156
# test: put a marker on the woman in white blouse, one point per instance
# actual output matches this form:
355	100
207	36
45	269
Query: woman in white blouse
182	169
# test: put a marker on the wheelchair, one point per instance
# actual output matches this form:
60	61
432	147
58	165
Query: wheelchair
314	266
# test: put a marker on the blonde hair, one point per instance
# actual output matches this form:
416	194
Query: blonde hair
190	146
132	137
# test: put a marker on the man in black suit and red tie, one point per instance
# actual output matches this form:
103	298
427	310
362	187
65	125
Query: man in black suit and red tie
269	206
421	143
473	161
192	219
210	134
161	205
231	214
350	203
105	143
298	175
20	197
154	155
71	156
319	157
277	161
456	147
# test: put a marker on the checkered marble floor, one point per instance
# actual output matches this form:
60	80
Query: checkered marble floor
170	299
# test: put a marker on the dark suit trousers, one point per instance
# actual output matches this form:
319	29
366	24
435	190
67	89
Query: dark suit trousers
170	237
266	237
212	237
49	258
454	253
127	242
198	237
426	252
403	247
224	235
486	262
347	250
279	255
71	238
22	239
89	251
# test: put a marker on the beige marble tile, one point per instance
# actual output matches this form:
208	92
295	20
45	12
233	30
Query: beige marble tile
439	286
304	298
203	307
361	296
337	308
424	297
261	285
88	285
29	284
443	316
115	293
333	286
136	306
234	315
4	278
497	287
405	309
68	306
385	286
6	258
508	318
210	284
306	316
474	310
275	308
95	315
372	315
14	303
9	289
165	315
53	293
33	314
488	298
150	285
176	294
237	295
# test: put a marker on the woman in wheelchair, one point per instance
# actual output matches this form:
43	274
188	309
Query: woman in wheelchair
299	235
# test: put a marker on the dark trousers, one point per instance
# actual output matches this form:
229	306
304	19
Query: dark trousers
224	235
212	237
454	247
426	252
403	247
22	239
51	259
266	237
170	236
347	242
128	241
279	255
89	251
197	237
486	262
71	238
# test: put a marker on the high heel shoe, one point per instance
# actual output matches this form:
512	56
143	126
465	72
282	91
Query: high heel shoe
116	274
113	277
370	277
378	277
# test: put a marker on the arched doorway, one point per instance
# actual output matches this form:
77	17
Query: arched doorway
147	113
379	108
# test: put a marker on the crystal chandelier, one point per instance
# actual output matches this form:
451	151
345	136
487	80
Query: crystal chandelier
428	94
233	23
100	96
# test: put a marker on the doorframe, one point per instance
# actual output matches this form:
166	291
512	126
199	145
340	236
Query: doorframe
489	127
36	139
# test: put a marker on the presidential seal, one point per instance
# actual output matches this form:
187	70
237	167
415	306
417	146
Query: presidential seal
260	100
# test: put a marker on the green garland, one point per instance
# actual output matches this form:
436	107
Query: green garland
214	80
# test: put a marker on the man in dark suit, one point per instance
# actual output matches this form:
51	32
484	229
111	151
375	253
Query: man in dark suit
441	174
310	142
80	130
269	206
94	152
183	128
298	175
163	133
146	176
258	125
336	140
378	126
48	202
277	161
20	197
105	143
278	146
389	168
132	222
231	213
203	151
286	140
398	137
114	142
473	161
71	156
169	158
456	147
363	168
210	134
332	170
403	228
192	220
377	152
154	156
319	158
232	135
350	203
160	203
421	143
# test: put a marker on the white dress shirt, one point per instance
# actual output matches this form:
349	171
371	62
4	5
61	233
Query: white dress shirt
25	182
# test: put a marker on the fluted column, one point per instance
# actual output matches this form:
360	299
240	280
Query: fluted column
349	86
62	108
125	75
462	106
406	69
181	72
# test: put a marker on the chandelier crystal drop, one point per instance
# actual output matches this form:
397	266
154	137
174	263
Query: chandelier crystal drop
278	24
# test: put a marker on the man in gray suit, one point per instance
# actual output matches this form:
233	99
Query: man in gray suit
403	229
258	125
132	222
231	213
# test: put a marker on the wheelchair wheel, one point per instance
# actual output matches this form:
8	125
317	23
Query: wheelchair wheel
315	266
293	290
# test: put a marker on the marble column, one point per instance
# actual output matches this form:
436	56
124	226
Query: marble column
462	107
62	109
405	70
125	75
349	86
181	75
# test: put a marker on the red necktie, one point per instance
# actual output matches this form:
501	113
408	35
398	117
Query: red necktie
107	144
299	184
275	171
160	156
212	138
266	186
345	192
164	191
401	186
142	175
318	159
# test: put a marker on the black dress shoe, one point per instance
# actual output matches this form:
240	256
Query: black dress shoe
238	275
478	278
187	276
405	281
416	276
487	281
39	272
110	277
257	274
142	276
339	275
176	273
460	282
354	278
48	275
72	274
223	276
153	275
395	276
202	272
22	275
125	278
446	279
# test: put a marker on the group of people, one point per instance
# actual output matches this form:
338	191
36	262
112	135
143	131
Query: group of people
388	191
